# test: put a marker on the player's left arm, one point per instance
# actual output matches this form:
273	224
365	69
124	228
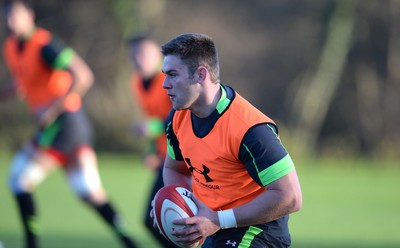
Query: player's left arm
282	197
61	57
83	75
270	165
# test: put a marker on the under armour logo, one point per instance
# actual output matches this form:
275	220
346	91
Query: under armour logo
185	193
204	172
233	244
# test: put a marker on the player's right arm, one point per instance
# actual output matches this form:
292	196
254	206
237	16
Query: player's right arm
175	170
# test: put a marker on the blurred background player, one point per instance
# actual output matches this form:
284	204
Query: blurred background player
52	79
146	83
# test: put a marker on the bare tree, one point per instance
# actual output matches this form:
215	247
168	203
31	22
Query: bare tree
316	91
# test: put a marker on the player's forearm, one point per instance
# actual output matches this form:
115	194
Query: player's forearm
173	177
282	198
271	206
83	75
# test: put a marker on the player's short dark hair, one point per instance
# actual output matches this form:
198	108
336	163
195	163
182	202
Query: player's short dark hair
29	4
194	50
139	38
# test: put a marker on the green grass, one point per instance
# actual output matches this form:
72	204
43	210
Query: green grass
346	204
66	222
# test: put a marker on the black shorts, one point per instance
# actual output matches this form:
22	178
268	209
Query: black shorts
68	132
273	234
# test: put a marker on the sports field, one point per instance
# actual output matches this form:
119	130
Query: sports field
347	204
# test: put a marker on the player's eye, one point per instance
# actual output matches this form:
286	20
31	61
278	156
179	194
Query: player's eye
172	75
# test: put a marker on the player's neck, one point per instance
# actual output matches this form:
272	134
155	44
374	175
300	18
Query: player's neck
27	34
209	102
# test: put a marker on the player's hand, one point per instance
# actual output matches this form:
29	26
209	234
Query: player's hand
152	214
51	113
204	224
140	129
152	161
155	226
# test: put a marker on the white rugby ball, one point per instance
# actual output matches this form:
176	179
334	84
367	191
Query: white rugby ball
171	203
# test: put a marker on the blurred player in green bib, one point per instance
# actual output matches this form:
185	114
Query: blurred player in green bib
52	79
146	83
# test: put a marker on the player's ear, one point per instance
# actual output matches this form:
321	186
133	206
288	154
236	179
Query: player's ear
201	74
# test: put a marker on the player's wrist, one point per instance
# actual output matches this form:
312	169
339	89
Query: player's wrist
227	219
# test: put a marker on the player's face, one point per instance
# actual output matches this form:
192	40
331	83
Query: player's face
146	57
20	20
181	87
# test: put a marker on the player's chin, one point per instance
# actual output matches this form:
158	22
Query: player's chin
187	245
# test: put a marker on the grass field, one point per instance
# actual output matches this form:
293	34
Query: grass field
347	204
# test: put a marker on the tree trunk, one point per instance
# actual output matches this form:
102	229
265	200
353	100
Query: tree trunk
315	93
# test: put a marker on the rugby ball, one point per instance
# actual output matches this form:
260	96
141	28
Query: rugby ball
171	203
